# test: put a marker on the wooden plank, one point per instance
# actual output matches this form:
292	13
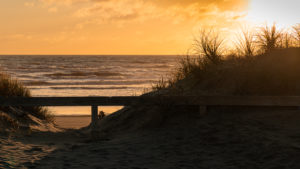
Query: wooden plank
251	101
236	100
67	101
151	100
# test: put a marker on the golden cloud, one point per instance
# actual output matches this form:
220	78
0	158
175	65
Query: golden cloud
125	26
174	10
129	9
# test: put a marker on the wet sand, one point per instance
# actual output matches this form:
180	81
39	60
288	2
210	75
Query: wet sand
72	122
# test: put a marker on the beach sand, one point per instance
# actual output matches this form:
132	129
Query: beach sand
217	140
72	122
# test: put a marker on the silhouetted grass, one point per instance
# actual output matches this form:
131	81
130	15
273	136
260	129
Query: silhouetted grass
209	45
286	40
268	38
14	117
161	84
267	64
245	45
297	34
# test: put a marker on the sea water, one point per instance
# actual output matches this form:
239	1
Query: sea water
87	75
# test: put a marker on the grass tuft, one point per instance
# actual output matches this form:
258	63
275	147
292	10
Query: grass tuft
209	45
245	44
12	117
268	38
161	84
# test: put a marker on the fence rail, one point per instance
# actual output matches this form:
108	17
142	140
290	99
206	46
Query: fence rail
201	101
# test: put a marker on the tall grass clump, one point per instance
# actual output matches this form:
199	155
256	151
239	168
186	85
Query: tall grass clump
245	44
268	38
16	116
209	45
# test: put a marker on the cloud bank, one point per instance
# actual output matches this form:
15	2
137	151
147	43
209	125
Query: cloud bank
117	26
143	10
173	10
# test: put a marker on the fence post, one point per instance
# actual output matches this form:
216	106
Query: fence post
94	114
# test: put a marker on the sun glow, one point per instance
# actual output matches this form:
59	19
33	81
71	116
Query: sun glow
284	13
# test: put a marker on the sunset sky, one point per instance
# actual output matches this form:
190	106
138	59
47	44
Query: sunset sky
127	26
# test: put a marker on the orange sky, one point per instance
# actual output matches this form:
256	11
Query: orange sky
112	26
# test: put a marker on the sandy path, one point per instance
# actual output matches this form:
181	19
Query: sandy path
23	151
14	153
230	141
26	151
177	149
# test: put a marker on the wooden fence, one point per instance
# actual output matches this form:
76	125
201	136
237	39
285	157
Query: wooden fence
201	101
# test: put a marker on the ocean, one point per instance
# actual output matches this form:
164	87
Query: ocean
87	75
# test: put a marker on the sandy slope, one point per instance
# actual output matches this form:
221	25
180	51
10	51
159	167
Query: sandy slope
253	139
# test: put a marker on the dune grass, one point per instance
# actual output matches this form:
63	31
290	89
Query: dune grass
268	38
296	34
209	45
245	44
14	117
264	63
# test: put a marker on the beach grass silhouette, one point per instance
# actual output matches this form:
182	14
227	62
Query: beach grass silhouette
263	63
